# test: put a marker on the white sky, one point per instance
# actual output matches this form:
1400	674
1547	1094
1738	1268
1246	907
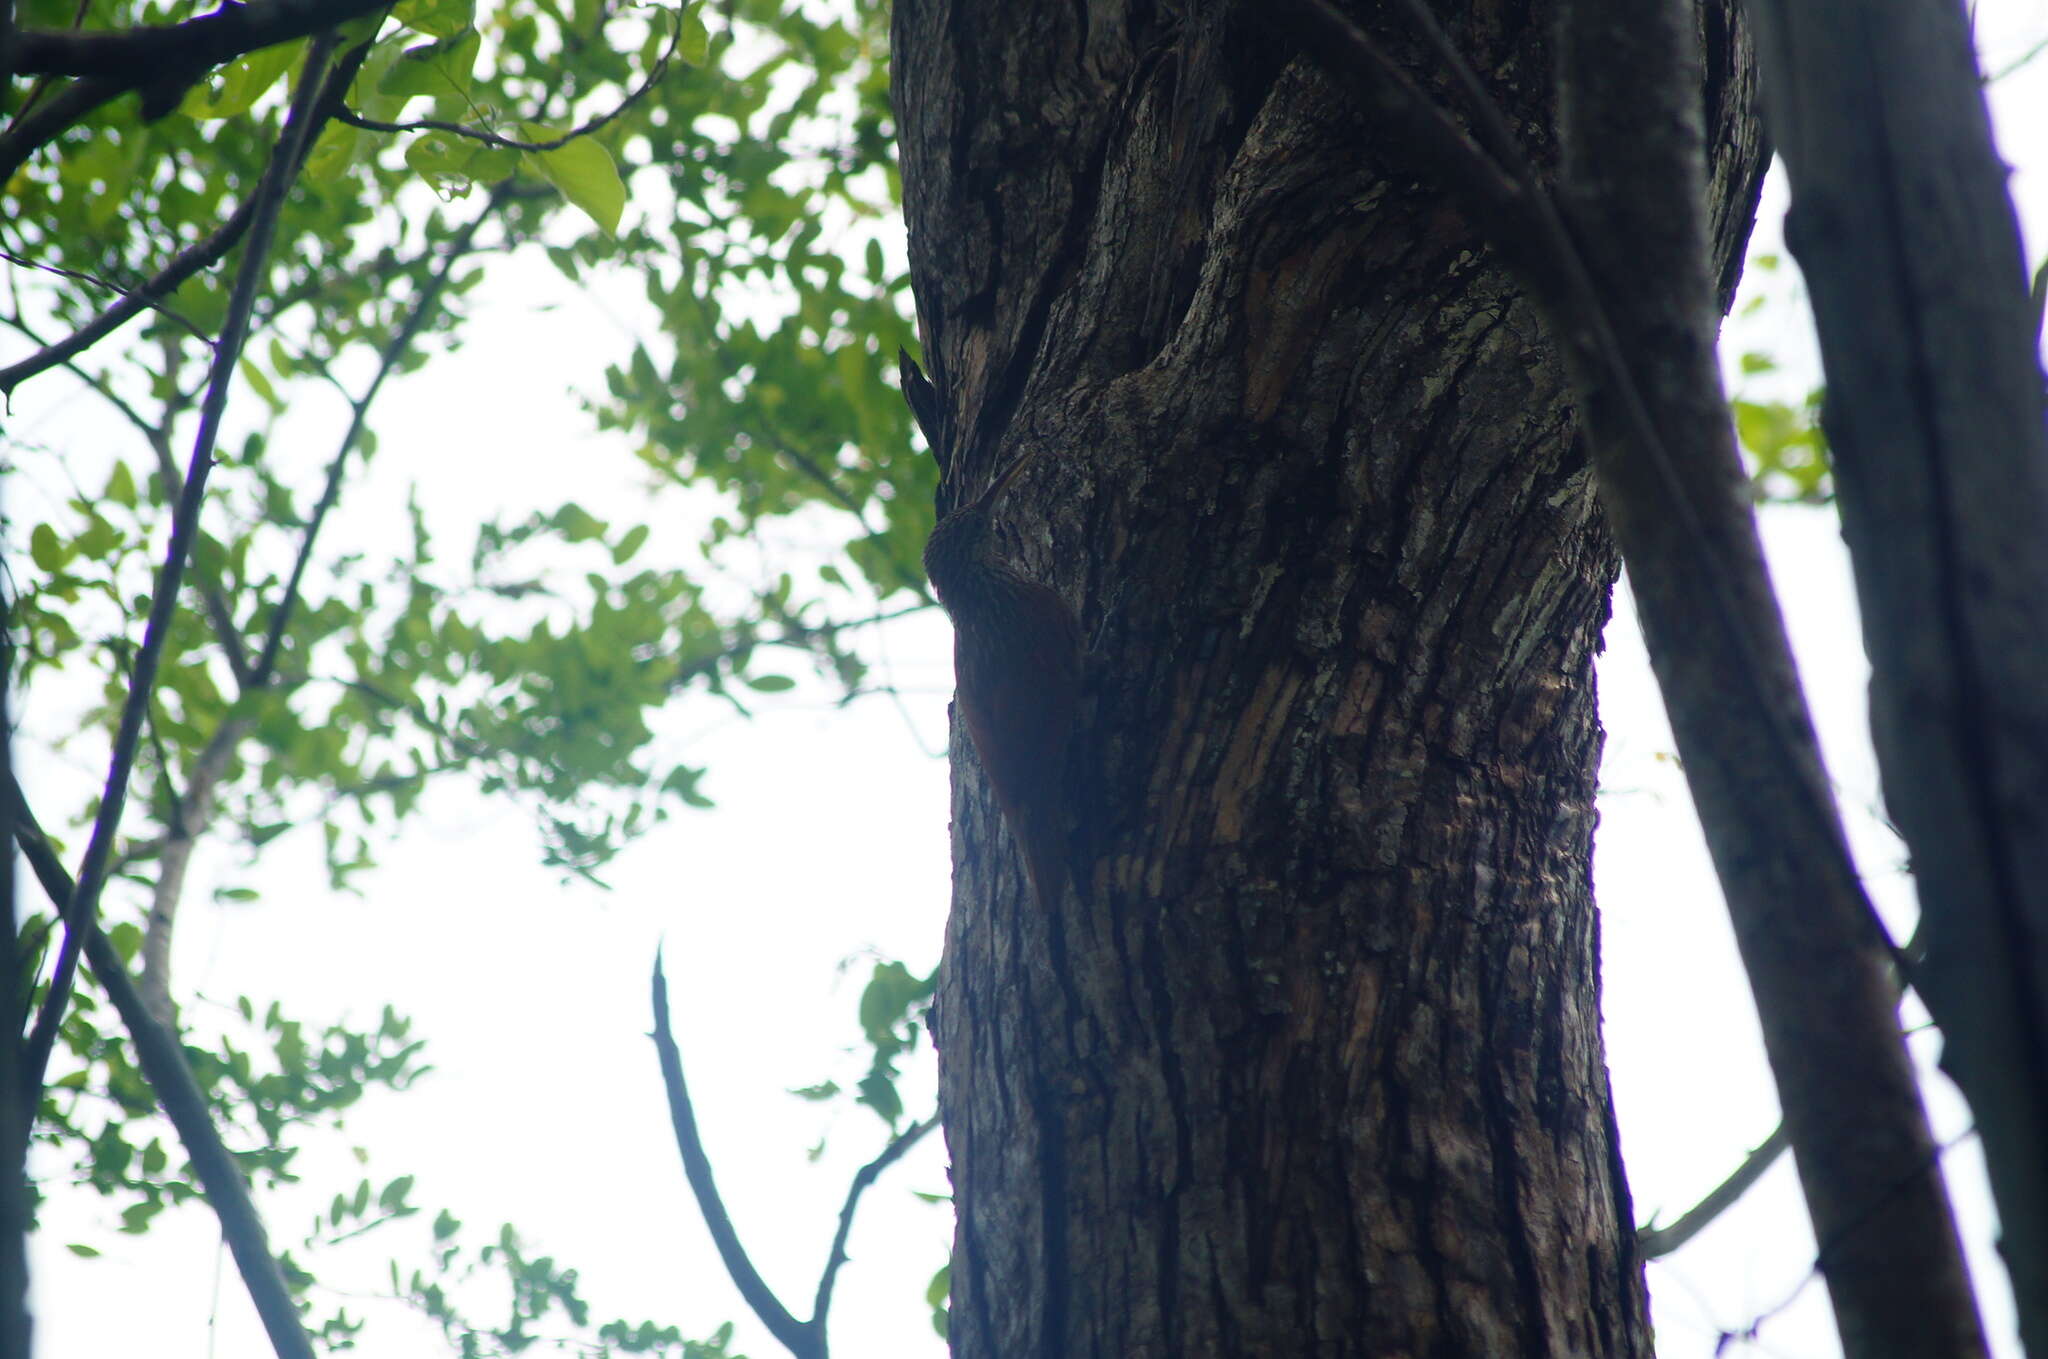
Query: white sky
829	843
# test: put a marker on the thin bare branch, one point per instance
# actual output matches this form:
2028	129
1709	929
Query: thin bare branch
97	384
1656	1241
862	1178
108	285
190	815
806	1340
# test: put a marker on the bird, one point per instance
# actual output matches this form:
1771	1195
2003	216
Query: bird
1016	664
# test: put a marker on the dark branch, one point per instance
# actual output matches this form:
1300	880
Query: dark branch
147	54
17	1102
862	1178
804	1340
158	1052
1656	1241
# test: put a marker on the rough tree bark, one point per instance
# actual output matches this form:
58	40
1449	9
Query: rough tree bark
1306	1059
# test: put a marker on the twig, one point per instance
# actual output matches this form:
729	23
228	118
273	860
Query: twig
387	361
1656	1241
862	1178
354	119
189	261
79	911
811	468
98	385
796	635
806	1340
162	1060
94	280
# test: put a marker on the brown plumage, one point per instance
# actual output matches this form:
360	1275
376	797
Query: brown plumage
1017	664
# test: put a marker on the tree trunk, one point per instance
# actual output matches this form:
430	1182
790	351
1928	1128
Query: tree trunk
1305	1057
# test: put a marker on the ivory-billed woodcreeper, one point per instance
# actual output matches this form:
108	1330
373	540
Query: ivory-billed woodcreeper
1017	667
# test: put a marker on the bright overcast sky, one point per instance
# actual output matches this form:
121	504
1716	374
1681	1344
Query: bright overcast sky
829	844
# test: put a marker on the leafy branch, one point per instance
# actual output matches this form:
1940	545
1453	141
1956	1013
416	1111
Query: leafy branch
187	263
489	138
77	901
80	909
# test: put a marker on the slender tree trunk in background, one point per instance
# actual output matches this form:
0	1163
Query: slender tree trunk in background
1307	1058
1904	227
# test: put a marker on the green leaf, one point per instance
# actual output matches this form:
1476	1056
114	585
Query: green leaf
242	82
435	18
83	1252
333	153
393	1197
578	525
97	542
436	68
126	937
878	1092
623	550
44	549
121	486
889	993
442	159
584	172
693	48
770	684
937	1293
259	382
